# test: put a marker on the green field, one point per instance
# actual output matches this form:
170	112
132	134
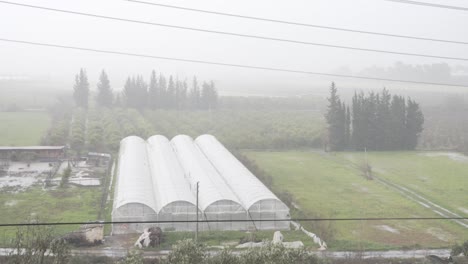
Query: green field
71	204
442	177
331	185
23	128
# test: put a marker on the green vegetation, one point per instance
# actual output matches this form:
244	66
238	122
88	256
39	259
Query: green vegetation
188	251
243	129
62	205
284	129
440	177
23	128
330	185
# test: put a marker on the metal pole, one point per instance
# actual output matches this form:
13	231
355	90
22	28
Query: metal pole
196	232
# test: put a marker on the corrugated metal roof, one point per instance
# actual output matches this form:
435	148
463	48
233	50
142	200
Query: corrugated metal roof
197	168
134	183
170	184
245	185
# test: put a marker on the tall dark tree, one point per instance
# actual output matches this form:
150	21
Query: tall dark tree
142	93
398	122
153	92
81	89
335	117
135	92
384	128
414	124
162	85
209	96
104	96
183	100
347	127
171	93
194	95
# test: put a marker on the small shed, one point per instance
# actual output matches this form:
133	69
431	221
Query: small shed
41	153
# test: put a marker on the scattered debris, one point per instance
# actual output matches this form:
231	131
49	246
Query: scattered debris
317	240
152	236
277	240
88	235
436	259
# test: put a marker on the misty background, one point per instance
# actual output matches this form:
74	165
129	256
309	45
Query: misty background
55	68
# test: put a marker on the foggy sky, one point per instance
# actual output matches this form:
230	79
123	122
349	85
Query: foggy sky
371	15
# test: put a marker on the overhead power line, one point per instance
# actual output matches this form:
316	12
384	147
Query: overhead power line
235	221
299	24
224	64
430	4
236	34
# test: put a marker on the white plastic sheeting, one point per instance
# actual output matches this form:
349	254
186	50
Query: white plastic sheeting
134	198
174	199
260	202
156	180
216	198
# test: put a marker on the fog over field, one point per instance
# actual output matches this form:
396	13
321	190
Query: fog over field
58	65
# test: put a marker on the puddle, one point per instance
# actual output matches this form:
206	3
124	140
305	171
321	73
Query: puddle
11	203
452	155
440	234
388	229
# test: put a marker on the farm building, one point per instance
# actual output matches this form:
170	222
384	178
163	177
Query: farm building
156	180
41	153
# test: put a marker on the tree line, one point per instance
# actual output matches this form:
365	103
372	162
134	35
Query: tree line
376	121
159	93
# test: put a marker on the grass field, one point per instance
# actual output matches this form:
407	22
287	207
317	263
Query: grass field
23	128
442	177
70	204
331	185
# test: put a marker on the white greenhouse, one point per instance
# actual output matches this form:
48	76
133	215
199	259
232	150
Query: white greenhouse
260	202
216	199
156	181
134	198
174	199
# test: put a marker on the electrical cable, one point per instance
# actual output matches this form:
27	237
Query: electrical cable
299	24
430	4
225	64
236	34
236	220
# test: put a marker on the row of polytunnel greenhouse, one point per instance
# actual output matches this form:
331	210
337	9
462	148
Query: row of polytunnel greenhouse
156	181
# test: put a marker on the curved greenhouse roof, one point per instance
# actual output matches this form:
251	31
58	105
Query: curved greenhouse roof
246	186
134	183
212	187
170	185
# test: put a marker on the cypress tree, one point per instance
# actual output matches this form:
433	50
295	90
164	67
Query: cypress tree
398	122
414	124
336	120
171	93
194	96
81	89
153	91
105	96
163	101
